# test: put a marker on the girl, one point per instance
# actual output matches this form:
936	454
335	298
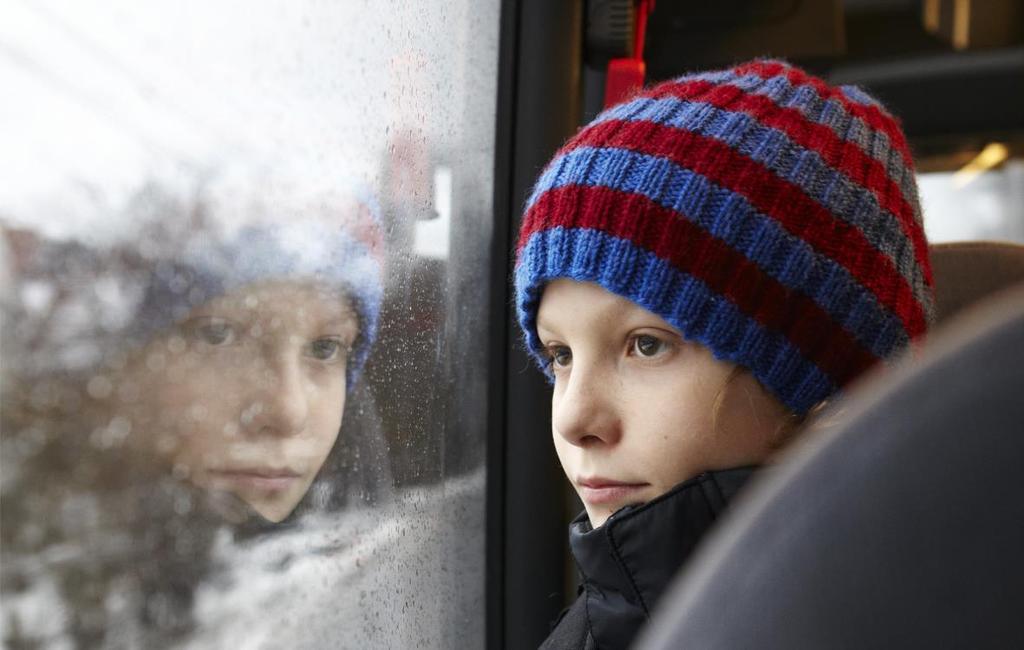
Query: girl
204	374
697	269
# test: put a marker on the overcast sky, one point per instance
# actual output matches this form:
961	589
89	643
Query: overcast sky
101	97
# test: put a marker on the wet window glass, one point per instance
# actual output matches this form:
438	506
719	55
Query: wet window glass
242	260
974	191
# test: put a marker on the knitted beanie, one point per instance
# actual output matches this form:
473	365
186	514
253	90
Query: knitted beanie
334	256
269	225
766	215
181	249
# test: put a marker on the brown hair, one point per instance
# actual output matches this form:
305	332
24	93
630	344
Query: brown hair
788	427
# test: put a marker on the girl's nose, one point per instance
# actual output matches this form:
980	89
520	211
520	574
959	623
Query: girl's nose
585	413
279	403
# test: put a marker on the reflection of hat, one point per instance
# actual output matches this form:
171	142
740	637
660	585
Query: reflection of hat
763	213
239	229
332	255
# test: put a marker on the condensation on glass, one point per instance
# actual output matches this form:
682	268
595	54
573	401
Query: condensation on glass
975	192
242	283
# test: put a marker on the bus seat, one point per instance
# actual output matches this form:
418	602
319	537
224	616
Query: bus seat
967	271
900	526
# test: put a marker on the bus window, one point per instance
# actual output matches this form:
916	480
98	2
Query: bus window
976	192
244	337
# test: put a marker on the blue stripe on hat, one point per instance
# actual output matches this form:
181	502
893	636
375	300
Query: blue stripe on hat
302	251
580	253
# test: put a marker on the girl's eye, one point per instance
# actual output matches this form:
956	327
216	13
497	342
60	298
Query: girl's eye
326	349
215	332
560	356
646	345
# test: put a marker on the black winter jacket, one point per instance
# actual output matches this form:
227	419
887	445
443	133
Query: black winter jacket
627	563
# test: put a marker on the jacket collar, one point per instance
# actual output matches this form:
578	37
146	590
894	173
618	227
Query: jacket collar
629	561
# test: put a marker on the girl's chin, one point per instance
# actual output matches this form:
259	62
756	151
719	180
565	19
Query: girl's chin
274	515
237	509
274	509
228	506
599	516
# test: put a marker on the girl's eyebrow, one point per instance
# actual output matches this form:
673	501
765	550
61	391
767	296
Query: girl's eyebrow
340	321
542	326
347	323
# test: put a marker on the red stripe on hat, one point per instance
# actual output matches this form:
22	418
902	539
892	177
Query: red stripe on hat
692	250
778	198
847	157
356	219
873	115
363	227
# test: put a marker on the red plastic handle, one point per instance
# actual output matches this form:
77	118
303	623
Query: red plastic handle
626	76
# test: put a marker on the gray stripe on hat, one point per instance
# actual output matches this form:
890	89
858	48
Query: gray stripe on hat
849	128
833	114
851	202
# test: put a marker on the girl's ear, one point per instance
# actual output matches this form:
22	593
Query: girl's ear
821	417
742	398
790	426
719	401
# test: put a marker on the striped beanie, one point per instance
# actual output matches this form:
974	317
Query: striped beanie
272	224
766	215
185	246
347	257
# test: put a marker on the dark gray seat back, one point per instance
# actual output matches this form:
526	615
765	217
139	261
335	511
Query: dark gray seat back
903	527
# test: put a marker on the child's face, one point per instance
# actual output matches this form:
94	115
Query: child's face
633	410
246	395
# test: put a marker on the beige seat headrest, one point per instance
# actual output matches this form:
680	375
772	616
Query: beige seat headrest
967	272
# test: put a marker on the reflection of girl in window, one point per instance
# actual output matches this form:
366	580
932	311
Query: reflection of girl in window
244	395
206	373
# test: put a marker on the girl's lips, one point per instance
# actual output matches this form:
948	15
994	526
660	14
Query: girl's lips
264	480
601	492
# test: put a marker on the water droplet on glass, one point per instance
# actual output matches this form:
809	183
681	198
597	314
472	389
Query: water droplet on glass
197	412
156	361
176	345
99	387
